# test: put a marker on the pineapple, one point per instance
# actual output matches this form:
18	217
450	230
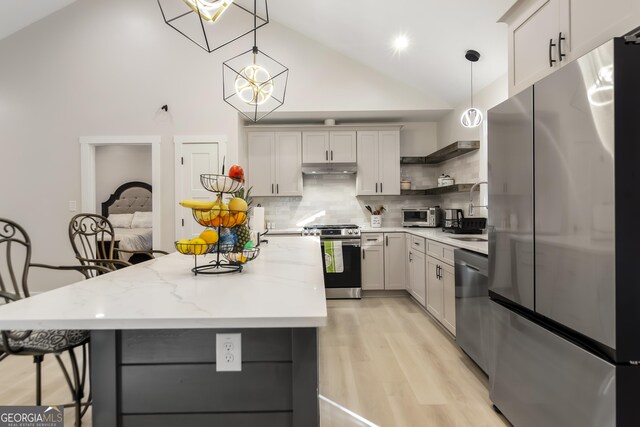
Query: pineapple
244	236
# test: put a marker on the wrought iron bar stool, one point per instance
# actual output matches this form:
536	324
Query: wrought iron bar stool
93	241
15	265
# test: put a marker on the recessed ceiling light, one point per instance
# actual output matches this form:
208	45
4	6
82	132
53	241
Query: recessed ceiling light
400	43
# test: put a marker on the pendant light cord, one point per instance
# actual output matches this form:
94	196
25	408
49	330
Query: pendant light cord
471	84
255	26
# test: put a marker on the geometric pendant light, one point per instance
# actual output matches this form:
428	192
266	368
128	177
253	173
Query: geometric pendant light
212	24
253	82
472	117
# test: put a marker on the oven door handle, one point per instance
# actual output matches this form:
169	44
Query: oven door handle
351	244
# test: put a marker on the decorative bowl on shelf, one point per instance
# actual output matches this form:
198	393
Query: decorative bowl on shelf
220	183
243	256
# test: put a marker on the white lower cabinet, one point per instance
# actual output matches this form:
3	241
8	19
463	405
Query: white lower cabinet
449	296
372	267
435	300
394	261
441	292
417	270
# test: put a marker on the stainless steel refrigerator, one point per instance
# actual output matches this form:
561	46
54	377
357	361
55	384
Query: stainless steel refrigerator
564	270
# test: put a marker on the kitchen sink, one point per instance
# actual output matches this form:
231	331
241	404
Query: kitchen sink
470	239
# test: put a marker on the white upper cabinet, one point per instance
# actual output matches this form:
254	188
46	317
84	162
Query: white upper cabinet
315	147
378	155
288	164
261	163
534	40
342	147
544	35
329	146
275	163
593	22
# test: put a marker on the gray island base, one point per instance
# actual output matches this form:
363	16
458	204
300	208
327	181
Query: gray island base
158	378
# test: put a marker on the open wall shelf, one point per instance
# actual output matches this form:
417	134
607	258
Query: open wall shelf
449	152
456	188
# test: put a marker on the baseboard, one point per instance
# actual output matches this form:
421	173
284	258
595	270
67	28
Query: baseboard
384	293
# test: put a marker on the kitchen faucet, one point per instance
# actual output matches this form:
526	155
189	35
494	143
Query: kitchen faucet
477	184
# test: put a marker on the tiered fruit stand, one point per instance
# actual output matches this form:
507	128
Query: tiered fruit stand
228	257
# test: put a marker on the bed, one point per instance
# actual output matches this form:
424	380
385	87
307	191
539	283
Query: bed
129	211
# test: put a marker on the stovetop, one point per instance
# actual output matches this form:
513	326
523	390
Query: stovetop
331	230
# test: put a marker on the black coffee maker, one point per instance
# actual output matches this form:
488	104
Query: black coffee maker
455	222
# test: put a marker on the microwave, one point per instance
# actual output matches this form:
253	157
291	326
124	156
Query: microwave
421	217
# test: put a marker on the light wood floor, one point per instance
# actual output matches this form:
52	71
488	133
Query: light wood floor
382	358
387	360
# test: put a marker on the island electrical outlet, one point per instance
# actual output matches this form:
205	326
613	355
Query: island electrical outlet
228	352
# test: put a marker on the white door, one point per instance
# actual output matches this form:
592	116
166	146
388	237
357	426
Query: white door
530	41
367	155
389	163
394	261
449	298
418	280
196	159
434	288
342	147
288	164
261	163
372	267
315	147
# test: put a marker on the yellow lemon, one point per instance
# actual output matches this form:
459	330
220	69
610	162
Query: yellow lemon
237	204
210	236
198	246
183	246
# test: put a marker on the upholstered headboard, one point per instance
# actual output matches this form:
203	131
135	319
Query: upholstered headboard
130	197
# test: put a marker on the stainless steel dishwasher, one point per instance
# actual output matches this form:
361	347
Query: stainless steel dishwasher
473	312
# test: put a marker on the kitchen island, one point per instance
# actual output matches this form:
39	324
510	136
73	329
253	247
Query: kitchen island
153	338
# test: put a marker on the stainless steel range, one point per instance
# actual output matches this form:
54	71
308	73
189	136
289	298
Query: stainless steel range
348	282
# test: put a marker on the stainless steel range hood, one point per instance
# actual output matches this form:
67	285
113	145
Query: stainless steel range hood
329	168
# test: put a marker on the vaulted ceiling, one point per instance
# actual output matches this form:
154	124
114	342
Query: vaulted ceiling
439	33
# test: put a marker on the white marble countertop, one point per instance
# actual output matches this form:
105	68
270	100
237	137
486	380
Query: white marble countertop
283	287
438	235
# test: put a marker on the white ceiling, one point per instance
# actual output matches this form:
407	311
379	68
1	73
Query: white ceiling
17	14
440	32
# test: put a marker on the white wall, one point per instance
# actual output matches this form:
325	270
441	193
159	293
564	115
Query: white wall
117	164
418	139
470	168
104	67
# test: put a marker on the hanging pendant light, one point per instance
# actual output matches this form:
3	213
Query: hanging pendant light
472	117
253	82
208	23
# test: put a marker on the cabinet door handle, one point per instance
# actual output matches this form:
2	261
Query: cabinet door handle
376	187
277	188
372	240
271	188
331	155
381	187
560	40
363	252
438	271
326	155
386	238
410	259
551	46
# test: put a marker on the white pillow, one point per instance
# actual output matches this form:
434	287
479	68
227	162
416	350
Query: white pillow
142	220
121	220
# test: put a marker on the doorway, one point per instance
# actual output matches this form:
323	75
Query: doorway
88	146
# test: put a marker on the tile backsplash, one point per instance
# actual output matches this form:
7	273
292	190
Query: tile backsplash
331	199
